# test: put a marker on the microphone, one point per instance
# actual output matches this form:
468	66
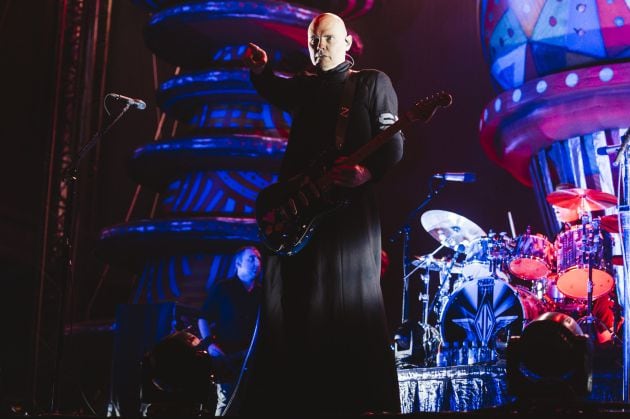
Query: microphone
609	149
466	177
137	103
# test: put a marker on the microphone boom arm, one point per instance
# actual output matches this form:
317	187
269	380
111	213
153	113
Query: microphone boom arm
74	165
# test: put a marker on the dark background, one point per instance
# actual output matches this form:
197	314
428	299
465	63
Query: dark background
424	45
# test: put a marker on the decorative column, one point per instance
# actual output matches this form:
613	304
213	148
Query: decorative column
562	71
228	145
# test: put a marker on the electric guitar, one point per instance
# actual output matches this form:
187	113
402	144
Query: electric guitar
287	213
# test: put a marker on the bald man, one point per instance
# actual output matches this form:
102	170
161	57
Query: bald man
323	346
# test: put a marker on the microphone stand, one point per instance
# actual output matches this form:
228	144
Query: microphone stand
624	221
404	232
70	177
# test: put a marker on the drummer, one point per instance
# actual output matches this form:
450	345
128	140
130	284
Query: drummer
569	217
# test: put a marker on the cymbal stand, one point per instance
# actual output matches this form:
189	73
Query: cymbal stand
427	262
445	274
493	253
591	246
407	327
403	231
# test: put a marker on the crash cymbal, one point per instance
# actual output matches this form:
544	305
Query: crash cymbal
588	200
610	223
450	229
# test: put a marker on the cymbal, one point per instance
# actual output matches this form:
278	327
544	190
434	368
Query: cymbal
610	223
450	229
588	200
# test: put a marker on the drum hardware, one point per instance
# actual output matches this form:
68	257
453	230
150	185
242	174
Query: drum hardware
455	232
539	288
426	293
572	259
416	340
444	289
576	257
485	257
409	326
591	243
459	229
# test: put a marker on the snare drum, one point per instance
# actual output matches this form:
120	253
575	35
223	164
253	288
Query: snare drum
573	270
481	308
532	257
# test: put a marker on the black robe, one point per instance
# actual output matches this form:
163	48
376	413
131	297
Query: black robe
323	345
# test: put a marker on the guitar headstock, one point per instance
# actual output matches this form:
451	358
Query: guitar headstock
426	108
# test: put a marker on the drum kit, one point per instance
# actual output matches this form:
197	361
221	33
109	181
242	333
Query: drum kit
494	284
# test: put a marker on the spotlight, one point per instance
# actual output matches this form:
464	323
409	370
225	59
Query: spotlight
177	377
551	360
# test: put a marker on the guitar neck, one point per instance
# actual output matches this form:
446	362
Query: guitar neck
364	151
368	148
423	110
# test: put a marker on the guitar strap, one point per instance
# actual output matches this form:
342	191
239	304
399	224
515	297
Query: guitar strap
347	96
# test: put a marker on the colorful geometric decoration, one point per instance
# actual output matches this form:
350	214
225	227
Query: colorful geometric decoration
527	39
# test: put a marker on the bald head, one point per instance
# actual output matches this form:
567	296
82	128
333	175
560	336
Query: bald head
328	41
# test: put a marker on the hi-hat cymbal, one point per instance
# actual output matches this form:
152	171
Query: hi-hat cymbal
610	223
449	228
588	200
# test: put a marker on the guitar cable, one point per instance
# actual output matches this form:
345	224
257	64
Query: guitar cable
241	375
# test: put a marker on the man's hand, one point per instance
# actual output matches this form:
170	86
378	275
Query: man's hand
349	175
255	58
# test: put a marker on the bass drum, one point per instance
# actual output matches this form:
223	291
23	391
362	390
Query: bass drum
482	308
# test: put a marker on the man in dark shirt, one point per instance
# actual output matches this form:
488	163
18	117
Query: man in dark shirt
229	317
323	345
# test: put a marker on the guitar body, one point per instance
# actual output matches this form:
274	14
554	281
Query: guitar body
287	213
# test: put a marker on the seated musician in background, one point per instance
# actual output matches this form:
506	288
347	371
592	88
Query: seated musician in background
229	317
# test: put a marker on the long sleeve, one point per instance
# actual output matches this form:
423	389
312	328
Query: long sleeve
280	91
383	113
